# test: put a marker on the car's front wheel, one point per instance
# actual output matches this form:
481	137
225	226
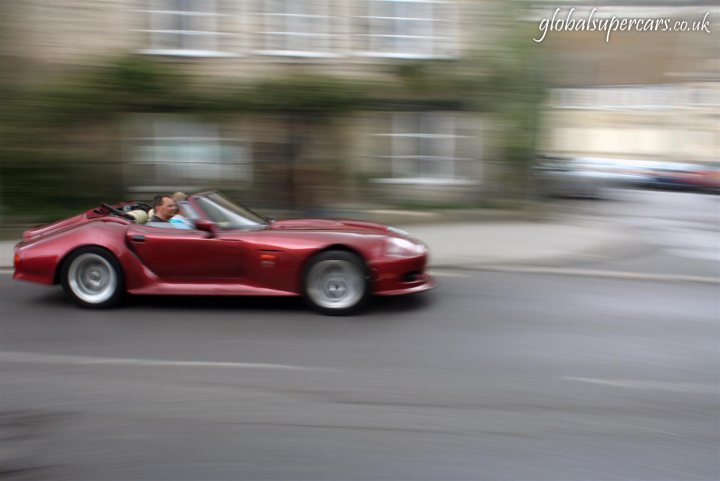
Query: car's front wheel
336	283
91	276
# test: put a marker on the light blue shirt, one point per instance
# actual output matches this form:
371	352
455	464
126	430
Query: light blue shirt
180	222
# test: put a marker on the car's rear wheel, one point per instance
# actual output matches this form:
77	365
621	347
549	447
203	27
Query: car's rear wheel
336	283
91	276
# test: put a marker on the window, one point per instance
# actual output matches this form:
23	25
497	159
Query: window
188	211
410	28
169	154
423	149
183	27
296	27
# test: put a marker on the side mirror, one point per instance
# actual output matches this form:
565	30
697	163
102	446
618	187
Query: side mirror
207	226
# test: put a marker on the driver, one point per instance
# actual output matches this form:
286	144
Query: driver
165	208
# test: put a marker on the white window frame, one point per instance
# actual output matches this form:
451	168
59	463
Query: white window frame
440	46
159	10
292	31
446	138
645	98
154	134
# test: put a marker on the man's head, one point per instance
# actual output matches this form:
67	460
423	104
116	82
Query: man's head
164	206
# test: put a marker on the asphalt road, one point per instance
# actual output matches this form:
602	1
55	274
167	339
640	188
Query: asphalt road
492	376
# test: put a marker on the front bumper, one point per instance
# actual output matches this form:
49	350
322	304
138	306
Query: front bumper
394	277
426	284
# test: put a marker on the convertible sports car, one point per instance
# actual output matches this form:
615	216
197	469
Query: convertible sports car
108	251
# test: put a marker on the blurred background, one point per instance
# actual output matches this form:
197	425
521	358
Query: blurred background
573	334
332	106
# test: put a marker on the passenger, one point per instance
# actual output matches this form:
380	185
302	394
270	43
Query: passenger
179	221
179	196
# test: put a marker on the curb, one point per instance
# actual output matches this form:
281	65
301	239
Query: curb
621	275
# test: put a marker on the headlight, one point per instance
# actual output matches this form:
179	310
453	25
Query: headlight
399	232
403	248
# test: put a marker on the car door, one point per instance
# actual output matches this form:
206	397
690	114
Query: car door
188	255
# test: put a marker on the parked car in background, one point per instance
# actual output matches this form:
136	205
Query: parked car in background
616	172
590	177
676	176
708	179
562	177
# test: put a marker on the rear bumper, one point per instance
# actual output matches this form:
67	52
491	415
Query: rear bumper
33	268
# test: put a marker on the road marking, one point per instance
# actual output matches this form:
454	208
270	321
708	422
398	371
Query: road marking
627	425
39	358
638	276
435	273
704	254
692	387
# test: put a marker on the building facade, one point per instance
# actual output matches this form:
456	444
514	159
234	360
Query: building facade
432	154
650	96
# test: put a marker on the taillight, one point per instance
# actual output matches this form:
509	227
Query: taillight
16	261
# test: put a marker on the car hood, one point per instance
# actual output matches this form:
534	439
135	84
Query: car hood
336	225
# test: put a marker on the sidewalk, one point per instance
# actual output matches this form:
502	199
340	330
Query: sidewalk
495	243
515	243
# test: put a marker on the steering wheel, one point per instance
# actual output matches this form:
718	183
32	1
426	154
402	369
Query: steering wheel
113	210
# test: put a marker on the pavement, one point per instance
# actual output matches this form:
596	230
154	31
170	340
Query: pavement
514	243
485	243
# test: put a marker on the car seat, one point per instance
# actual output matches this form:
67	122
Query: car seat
140	216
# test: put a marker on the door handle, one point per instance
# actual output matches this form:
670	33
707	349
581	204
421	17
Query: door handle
138	238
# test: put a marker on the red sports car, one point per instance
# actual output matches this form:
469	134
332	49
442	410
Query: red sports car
226	249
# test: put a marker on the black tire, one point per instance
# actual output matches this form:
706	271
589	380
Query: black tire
336	283
92	278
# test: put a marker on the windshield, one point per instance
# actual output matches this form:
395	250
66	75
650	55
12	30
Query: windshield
228	215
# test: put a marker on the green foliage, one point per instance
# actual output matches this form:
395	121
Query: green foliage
514	92
41	184
139	84
309	94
